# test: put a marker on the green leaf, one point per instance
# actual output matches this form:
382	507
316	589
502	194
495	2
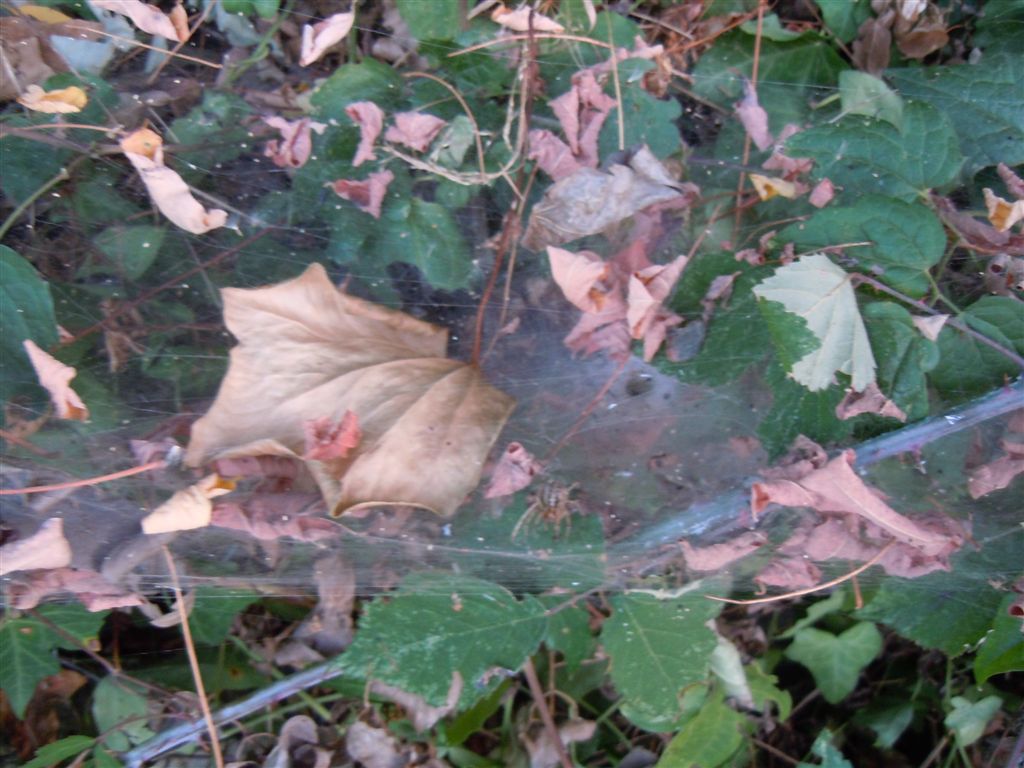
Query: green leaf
83	625
266	9
657	649
708	740
214	613
772	29
969	719
816	611
436	20
1001	27
830	755
861	93
968	366
765	689
844	17
818	291
788	73
906	239
864	156
216	127
425	235
904	356
984	102
121	712
96	199
1003	649
368	80
52	754
26	312
888	720
26	657
438	624
131	250
648	121
836	661
27	164
569	632
104	759
949	611
798	411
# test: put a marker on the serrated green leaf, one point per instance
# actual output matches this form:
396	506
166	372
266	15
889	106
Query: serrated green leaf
658	648
1001	27
52	754
969	719
984	101
904	356
818	291
836	661
798	411
1003	649
26	657
425	235
844	17
864	156
765	689
214	613
708	740
104	759
861	93
788	74
949	611
648	121
905	239
26	312
130	250
438	624
369	80
121	712
81	624
967	366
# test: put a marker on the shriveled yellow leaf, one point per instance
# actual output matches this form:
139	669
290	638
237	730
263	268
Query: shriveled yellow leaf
146	17
523	18
56	378
1002	213
308	351
767	187
63	101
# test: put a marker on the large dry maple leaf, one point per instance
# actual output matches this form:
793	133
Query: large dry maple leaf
308	351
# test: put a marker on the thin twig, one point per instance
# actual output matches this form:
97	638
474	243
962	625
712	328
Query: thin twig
208	7
540	702
88	481
585	413
164	51
801	592
538	35
193	661
755	67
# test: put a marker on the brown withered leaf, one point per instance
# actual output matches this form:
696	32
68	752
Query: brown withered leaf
307	351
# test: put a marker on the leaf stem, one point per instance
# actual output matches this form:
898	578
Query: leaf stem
62	175
540	702
955	322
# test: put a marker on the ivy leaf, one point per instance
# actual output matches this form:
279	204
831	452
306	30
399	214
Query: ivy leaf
967	366
904	357
861	93
836	661
657	649
647	120
369	80
26	312
831	756
818	291
868	156
709	739
844	17
1003	650
26	657
983	103
425	235
438	624
788	73
969	718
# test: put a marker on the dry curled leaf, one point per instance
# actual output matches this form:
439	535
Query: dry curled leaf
56	378
767	187
871	400
318	38
147	18
930	326
296	143
272	516
523	19
427	422
514	471
367	194
46	548
188	508
94	591
62	101
714	557
753	117
1002	213
326	440
168	191
998	473
370	119
415	130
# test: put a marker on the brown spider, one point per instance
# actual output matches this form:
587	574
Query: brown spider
552	504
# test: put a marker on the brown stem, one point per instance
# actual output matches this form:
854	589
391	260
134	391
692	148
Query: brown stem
540	702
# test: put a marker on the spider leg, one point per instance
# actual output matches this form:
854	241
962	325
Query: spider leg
527	515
